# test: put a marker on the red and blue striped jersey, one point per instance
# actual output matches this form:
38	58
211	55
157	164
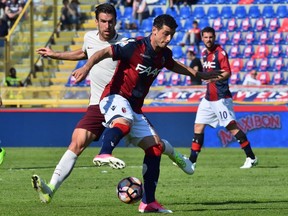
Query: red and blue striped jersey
217	59
138	66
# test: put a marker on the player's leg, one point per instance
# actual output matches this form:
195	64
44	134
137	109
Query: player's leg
151	172
119	118
251	159
88	129
142	127
111	137
224	110
197	142
2	155
180	160
205	116
80	139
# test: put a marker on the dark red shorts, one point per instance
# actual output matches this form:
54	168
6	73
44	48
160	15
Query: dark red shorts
92	121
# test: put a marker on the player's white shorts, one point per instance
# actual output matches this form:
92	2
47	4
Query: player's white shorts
114	106
215	113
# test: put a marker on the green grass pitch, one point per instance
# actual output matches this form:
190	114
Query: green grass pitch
218	187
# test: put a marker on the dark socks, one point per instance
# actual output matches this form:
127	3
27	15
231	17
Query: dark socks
110	140
150	176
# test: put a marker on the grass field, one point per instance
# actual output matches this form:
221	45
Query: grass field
218	187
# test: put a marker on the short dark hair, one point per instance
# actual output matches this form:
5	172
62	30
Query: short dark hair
165	19
105	8
12	70
209	30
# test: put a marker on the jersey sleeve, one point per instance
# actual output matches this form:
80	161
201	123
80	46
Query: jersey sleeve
122	50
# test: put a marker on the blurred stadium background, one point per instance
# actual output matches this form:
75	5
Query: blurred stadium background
254	33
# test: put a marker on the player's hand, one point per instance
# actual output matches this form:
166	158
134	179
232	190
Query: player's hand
80	74
45	52
216	74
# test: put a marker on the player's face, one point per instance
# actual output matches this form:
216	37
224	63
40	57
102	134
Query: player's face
106	26
163	36
208	39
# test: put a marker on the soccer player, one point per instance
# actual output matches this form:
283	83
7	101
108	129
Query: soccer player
216	108
2	150
139	62
90	127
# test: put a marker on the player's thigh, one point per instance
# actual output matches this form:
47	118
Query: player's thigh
205	114
224	110
115	106
92	122
141	131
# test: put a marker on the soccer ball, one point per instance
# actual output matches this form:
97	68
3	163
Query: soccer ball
130	190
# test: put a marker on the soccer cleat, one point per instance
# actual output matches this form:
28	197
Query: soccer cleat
108	159
183	162
44	190
153	207
249	163
2	155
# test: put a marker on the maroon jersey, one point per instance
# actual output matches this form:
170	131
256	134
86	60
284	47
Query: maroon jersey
217	59
137	68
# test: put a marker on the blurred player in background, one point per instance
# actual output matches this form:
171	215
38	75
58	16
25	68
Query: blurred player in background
2	150
139	62
90	127
217	106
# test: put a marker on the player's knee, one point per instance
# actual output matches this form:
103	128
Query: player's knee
232	125
76	148
155	150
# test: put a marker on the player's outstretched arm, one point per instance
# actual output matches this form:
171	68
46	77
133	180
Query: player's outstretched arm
74	55
215	75
81	73
185	70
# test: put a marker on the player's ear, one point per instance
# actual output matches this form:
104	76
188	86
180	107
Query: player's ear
154	30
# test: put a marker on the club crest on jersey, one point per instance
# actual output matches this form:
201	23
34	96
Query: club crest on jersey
149	70
123	109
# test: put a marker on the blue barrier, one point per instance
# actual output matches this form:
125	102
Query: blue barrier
54	127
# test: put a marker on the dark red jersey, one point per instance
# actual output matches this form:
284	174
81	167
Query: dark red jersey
217	59
138	66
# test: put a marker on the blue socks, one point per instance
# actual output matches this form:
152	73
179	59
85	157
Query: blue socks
110	140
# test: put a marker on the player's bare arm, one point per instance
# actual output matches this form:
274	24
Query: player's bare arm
74	55
183	69
223	76
81	73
